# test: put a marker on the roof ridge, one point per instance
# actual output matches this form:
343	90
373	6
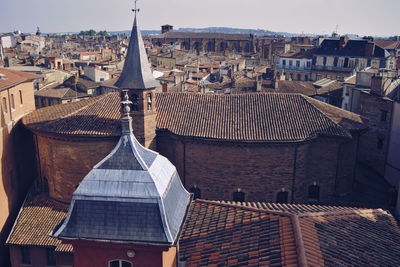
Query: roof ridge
356	211
324	114
215	202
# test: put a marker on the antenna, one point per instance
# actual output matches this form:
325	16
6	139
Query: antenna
337	26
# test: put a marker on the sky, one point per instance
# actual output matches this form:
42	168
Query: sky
362	17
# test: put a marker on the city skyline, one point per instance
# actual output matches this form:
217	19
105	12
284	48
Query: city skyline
307	16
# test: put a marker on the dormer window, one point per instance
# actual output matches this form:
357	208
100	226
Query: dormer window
148	101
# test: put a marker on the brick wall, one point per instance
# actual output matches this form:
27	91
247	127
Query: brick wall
370	151
65	162
260	170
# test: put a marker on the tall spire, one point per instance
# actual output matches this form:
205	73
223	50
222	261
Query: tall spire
136	73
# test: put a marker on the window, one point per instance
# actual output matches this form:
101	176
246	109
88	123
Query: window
298	63
238	196
135	104
51	257
290	62
196	192
119	263
379	145
20	97
282	197
12	102
284	62
383	115
25	255
298	77
4	104
308	64
318	77
313	191
149	101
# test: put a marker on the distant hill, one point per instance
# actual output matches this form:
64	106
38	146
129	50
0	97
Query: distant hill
258	32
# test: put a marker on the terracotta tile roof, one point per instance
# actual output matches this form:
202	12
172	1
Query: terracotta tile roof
59	93
96	116
239	117
12	77
251	234
388	44
36	220
247	117
341	117
356	238
224	235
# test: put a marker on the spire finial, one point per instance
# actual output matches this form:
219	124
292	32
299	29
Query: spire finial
126	120
136	9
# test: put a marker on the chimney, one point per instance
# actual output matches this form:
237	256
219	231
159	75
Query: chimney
343	41
369	49
376	85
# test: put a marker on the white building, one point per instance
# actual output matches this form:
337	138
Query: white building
7	41
295	66
96	74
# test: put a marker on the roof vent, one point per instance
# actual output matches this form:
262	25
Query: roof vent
2	77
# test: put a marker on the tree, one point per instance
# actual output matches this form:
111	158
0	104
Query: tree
103	33
89	32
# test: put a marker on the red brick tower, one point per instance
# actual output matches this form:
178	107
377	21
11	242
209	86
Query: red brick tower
138	79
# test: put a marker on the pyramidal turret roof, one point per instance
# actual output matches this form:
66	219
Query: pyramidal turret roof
136	73
133	195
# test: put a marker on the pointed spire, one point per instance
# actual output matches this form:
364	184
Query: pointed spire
136	73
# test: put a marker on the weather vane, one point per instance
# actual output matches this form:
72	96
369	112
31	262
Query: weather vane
136	9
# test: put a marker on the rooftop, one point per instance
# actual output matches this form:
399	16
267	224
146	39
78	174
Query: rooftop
10	78
251	234
267	117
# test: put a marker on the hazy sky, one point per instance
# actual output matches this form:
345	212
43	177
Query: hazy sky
363	17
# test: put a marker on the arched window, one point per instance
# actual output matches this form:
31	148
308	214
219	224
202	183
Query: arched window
119	263
134	99
282	196
238	196
196	192
313	191
149	101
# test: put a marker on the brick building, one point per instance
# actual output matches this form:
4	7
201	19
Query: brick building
130	209
16	94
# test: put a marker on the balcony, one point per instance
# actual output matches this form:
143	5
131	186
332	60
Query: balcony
332	68
286	67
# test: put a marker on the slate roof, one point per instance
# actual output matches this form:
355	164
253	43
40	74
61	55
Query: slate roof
252	234
136	73
355	48
10	78
133	195
265	117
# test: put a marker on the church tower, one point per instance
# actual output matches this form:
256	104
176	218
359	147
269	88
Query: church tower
137	78
129	210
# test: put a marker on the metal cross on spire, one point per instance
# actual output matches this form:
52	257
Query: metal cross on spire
136	9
